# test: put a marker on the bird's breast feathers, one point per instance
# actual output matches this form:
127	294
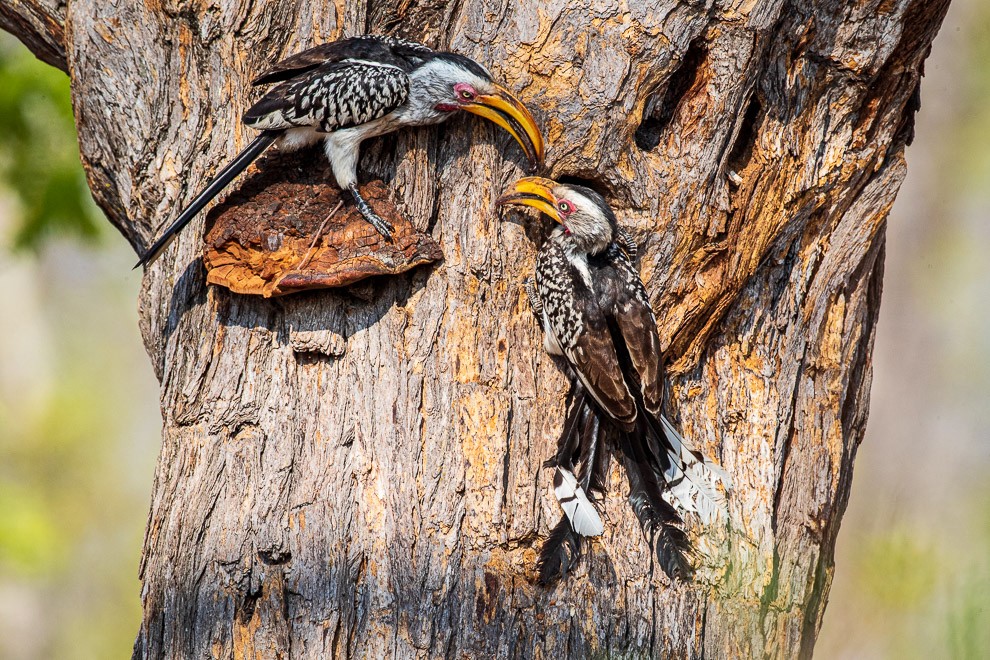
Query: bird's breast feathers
555	282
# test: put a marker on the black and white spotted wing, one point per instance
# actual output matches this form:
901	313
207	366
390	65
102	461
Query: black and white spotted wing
332	96
368	47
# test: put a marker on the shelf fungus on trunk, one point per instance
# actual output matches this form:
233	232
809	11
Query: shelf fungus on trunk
285	230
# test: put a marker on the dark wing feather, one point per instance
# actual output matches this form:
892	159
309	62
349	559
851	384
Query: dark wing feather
375	48
331	97
578	323
629	308
592	356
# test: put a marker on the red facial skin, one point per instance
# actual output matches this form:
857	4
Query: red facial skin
465	94
565	208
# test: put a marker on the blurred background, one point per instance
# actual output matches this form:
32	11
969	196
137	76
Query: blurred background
79	418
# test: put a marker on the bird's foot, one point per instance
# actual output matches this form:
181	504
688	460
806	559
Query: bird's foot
535	304
381	224
628	245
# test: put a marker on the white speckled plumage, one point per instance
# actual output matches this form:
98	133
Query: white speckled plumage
595	312
343	93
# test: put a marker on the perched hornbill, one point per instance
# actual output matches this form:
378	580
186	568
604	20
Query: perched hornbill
353	89
595	313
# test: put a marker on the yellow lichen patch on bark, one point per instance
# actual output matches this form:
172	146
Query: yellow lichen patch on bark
479	413
463	339
830	353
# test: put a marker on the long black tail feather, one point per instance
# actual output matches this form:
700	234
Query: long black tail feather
594	452
569	442
213	188
582	439
659	520
559	553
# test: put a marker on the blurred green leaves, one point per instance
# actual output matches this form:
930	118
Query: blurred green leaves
970	163
78	439
78	423
39	155
898	572
917	594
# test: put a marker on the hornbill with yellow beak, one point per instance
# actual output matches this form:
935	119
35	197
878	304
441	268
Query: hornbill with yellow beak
595	314
353	89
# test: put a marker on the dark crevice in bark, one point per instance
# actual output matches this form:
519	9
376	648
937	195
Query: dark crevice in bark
506	463
246	609
660	111
647	136
742	149
187	15
274	557
595	183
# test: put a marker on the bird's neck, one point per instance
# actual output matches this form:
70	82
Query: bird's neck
426	85
585	245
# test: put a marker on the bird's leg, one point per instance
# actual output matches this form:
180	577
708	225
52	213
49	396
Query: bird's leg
378	222
535	304
628	245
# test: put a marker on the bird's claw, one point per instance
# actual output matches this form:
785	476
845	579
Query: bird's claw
628	245
383	226
535	304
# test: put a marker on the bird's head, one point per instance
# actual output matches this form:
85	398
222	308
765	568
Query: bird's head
586	217
459	83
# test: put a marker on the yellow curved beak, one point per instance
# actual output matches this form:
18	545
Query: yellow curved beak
508	112
532	191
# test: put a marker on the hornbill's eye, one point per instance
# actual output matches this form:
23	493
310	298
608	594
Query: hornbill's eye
466	94
564	206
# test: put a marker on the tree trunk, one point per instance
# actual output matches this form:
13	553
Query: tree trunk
387	497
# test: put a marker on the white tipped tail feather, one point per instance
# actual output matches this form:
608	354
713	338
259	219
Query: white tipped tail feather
693	479
577	507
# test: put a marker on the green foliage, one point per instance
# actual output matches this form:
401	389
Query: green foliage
78	438
78	431
968	625
39	155
898	572
916	594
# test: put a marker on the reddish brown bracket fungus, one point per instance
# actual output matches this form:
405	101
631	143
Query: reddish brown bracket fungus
265	238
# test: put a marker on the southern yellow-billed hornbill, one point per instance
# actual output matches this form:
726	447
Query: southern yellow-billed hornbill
353	89
595	314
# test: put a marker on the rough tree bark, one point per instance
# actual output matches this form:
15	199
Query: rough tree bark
385	496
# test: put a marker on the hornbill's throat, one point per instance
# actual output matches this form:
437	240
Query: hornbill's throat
533	191
505	110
